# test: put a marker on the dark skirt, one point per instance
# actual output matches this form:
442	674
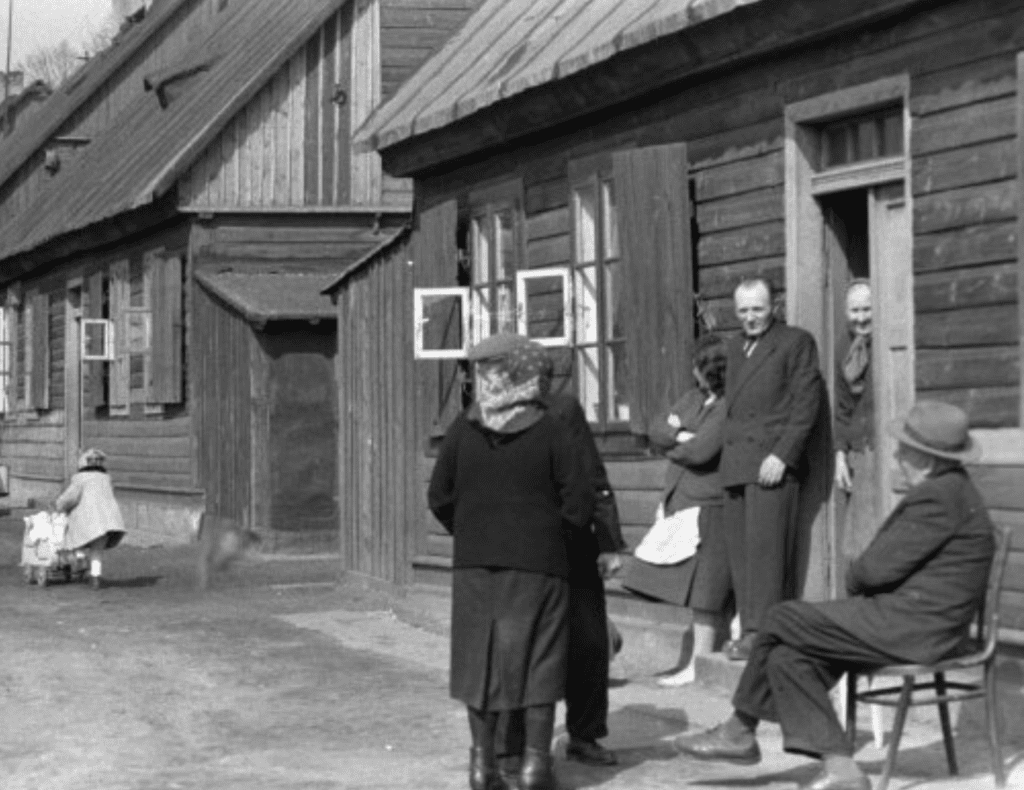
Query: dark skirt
702	582
510	638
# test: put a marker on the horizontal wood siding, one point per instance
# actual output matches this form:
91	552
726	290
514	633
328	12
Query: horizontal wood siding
151	454
220	354
964	150
380	493
34	450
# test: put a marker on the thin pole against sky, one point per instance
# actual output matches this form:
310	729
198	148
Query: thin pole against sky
10	28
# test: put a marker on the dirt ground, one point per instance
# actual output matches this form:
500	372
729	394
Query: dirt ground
280	677
150	684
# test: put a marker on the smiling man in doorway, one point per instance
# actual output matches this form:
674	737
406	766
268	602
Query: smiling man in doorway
772	393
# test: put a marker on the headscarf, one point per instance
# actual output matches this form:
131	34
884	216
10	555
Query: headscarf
92	459
858	356
509	382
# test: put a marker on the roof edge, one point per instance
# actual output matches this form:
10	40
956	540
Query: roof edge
355	266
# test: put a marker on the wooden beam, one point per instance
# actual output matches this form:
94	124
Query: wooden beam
1020	230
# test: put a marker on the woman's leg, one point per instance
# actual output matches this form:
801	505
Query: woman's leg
95	566
483	771
537	772
704	630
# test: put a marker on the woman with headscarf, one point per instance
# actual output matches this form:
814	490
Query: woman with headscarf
690	436
511	487
854	427
94	518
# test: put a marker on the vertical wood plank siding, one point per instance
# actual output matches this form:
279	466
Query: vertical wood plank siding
380	493
222	419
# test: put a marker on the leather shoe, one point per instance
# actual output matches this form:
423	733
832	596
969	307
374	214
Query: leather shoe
483	773
739	649
828	781
590	752
718	744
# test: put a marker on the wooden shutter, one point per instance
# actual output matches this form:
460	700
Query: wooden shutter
436	255
120	368
95	372
40	374
652	190
165	361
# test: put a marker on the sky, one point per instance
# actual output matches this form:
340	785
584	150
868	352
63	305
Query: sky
45	23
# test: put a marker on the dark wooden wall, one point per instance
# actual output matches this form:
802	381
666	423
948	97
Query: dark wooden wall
961	59
221	398
380	491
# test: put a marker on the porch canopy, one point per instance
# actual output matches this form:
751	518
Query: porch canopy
261	297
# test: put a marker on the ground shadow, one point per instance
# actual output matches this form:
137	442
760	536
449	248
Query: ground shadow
639	734
133	583
798	775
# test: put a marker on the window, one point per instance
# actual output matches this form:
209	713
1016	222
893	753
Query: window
493	250
599	337
441	317
6	349
874	135
544	305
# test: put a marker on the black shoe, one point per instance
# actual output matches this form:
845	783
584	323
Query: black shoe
718	744
538	771
739	650
483	773
590	752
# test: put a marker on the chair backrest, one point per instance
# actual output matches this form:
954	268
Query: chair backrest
988	617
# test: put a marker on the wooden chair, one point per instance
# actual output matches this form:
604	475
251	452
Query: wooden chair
945	691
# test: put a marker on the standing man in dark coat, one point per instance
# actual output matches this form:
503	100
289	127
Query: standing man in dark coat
593	555
914	592
772	397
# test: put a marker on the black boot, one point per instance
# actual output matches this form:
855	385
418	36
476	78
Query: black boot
538	771
483	768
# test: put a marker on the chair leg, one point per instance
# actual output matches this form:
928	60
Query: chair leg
947	729
897	731
992	716
851	708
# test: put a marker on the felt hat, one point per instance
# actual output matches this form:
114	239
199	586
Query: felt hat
497	346
938	429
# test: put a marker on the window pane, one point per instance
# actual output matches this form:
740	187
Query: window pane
589	382
482	312
892	133
442	323
505	248
586	225
586	304
545	303
610	215
613	322
867	140
481	253
506	309
618	394
834	147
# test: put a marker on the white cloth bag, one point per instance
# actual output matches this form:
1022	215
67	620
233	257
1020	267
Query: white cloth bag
671	539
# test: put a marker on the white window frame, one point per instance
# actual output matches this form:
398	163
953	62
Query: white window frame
522	304
108	340
418	295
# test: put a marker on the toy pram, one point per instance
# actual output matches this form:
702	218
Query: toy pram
43	556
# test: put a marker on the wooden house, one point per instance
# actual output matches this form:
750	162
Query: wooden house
168	220
602	174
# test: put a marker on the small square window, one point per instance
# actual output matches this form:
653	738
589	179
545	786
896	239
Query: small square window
441	328
544	305
97	340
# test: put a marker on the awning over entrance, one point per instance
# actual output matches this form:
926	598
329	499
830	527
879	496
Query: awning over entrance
272	296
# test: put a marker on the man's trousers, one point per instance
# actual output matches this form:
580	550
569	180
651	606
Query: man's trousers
799	654
761	541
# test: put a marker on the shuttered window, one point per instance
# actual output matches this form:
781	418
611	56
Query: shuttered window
145	305
6	358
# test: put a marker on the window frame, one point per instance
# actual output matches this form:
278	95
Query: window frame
108	340
564	273
418	295
596	173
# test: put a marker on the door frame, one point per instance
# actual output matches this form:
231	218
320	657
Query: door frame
73	428
806	268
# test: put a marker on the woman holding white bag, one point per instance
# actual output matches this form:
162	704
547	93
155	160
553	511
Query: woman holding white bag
690	436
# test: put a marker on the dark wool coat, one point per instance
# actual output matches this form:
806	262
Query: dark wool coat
512	500
772	400
692	478
920	583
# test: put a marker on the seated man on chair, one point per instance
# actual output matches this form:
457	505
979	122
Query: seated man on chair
913	594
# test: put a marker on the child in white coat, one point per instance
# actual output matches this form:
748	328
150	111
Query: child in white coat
94	518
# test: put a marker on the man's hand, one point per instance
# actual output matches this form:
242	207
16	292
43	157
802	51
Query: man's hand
684	436
608	564
844	479
772	471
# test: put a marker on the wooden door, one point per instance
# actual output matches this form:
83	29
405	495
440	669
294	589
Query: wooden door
892	285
